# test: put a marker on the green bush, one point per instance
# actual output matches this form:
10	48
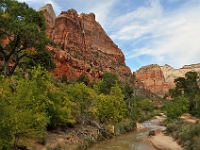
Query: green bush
187	134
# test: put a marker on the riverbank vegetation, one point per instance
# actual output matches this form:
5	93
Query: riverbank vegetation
184	98
34	102
185	133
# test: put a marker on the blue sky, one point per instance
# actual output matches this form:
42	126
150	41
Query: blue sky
148	31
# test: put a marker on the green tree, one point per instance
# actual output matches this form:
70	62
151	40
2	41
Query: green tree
129	92
105	108
188	87
130	99
112	107
22	37
83	79
192	87
176	107
108	81
24	112
119	102
84	99
58	106
29	105
145	105
196	105
64	78
5	115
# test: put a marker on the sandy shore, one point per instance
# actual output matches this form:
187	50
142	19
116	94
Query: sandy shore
163	142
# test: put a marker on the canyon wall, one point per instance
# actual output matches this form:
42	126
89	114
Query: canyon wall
80	45
159	79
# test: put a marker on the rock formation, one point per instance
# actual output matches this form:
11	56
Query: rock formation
82	46
152	78
49	15
170	73
159	79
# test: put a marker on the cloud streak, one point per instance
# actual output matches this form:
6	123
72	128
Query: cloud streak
36	4
165	37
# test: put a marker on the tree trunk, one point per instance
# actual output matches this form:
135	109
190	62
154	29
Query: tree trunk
15	142
6	67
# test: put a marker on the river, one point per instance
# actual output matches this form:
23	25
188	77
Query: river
136	140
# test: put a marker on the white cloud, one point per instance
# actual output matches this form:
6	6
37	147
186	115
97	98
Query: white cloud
169	37
137	23
172	1
103	10
36	4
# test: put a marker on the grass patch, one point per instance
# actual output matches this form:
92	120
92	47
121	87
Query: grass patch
86	143
125	126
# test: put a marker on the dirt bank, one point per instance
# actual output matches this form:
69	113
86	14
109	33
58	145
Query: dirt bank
163	142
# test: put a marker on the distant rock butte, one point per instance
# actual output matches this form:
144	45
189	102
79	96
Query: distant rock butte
159	79
84	46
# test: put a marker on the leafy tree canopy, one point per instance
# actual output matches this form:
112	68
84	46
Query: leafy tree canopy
22	37
22	112
28	105
83	78
176	107
112	107
188	88
84	99
108	80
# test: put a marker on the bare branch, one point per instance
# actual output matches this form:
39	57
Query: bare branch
13	50
22	56
21	49
2	51
16	62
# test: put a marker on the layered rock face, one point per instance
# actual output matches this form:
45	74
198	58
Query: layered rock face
152	78
84	47
159	79
170	73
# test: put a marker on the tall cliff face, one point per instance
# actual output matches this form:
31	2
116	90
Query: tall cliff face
159	79
86	48
152	78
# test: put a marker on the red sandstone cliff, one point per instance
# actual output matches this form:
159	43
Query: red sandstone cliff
152	78
159	79
84	46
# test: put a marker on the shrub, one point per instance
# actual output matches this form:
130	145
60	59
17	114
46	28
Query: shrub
187	134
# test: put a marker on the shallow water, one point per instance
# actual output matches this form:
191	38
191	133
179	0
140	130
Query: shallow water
136	140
